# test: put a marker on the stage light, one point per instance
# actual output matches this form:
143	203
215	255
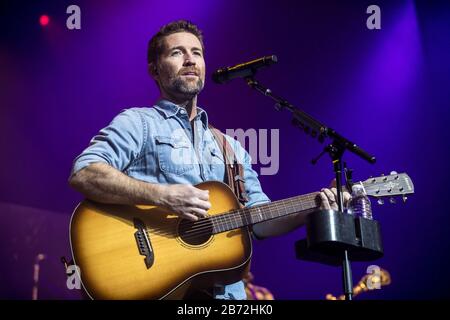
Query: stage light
44	20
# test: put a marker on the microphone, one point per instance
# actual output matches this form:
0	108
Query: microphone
242	70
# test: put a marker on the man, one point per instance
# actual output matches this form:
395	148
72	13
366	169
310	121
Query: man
155	155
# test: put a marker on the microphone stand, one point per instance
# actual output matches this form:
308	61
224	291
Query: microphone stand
335	149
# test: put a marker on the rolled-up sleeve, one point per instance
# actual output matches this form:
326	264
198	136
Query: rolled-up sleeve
118	144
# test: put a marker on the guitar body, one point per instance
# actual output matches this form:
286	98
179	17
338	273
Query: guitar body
147	252
106	250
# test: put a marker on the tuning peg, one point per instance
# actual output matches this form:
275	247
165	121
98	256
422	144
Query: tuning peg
392	200
393	172
404	198
380	202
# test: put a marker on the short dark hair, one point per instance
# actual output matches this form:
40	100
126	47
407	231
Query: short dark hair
155	45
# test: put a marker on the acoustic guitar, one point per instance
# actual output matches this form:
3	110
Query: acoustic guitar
147	252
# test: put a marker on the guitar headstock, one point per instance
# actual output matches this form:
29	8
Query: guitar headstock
395	184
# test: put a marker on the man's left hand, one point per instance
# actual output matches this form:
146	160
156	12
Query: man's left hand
329	197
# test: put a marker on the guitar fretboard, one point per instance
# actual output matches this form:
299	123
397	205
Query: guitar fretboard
248	216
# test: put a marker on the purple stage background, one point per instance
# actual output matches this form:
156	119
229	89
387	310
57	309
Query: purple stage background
386	89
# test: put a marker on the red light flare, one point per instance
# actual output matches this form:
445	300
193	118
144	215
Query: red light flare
44	20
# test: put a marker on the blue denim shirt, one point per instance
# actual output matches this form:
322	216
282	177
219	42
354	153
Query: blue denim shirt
158	145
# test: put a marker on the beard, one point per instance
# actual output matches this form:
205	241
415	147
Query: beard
187	88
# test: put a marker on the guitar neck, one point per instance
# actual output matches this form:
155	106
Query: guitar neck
384	186
250	215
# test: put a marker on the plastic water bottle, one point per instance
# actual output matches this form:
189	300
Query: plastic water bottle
360	203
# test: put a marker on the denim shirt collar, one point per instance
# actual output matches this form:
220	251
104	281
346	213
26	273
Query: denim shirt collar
170	109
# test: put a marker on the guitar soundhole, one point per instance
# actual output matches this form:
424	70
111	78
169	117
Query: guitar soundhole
195	232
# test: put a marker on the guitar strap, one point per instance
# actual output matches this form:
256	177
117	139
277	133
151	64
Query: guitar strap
234	171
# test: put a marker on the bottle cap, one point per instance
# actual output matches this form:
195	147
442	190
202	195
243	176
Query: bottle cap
357	189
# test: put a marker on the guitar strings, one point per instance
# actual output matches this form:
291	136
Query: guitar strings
231	216
204	227
227	224
206	230
234	216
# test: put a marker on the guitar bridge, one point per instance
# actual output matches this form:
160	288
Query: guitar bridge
143	242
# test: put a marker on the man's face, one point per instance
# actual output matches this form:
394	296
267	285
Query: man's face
181	66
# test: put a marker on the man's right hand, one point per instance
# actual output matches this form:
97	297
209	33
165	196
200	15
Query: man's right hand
184	200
